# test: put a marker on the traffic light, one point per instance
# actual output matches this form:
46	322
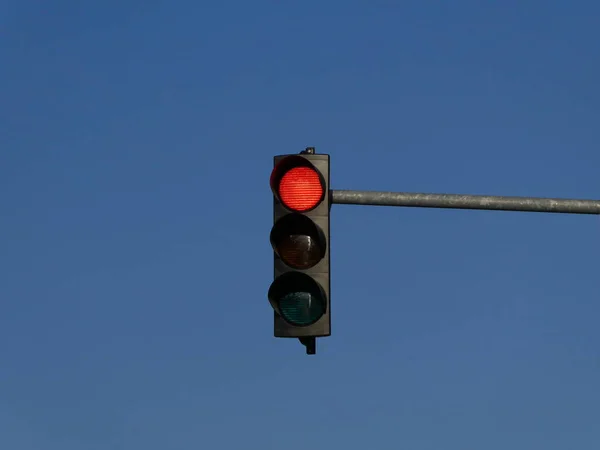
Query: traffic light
300	291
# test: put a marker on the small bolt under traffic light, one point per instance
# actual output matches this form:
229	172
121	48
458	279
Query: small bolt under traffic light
300	292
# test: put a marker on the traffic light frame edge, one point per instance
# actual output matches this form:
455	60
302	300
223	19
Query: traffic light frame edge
320	272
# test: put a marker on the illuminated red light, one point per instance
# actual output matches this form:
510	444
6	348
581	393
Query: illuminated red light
300	189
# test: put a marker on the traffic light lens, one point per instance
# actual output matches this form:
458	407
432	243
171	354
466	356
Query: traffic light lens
298	299
301	308
298	241
301	189
299	251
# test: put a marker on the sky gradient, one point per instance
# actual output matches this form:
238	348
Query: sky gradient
136	144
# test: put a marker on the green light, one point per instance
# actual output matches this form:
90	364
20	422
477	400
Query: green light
298	298
301	308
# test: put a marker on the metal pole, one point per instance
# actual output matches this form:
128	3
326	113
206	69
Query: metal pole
456	201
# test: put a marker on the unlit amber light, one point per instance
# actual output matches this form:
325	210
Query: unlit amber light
300	189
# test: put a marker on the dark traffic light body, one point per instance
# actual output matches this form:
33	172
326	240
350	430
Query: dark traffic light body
300	292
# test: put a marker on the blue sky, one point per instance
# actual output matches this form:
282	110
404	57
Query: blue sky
136	145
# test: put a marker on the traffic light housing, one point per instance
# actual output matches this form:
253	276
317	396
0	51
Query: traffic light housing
300	292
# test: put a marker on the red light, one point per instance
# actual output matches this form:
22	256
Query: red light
300	189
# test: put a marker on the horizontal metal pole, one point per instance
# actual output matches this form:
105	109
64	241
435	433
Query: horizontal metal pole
456	201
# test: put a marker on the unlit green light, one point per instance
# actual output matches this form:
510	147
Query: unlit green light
301	308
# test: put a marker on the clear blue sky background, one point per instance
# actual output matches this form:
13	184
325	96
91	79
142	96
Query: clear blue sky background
136	145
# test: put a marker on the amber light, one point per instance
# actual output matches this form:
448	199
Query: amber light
298	241
301	189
